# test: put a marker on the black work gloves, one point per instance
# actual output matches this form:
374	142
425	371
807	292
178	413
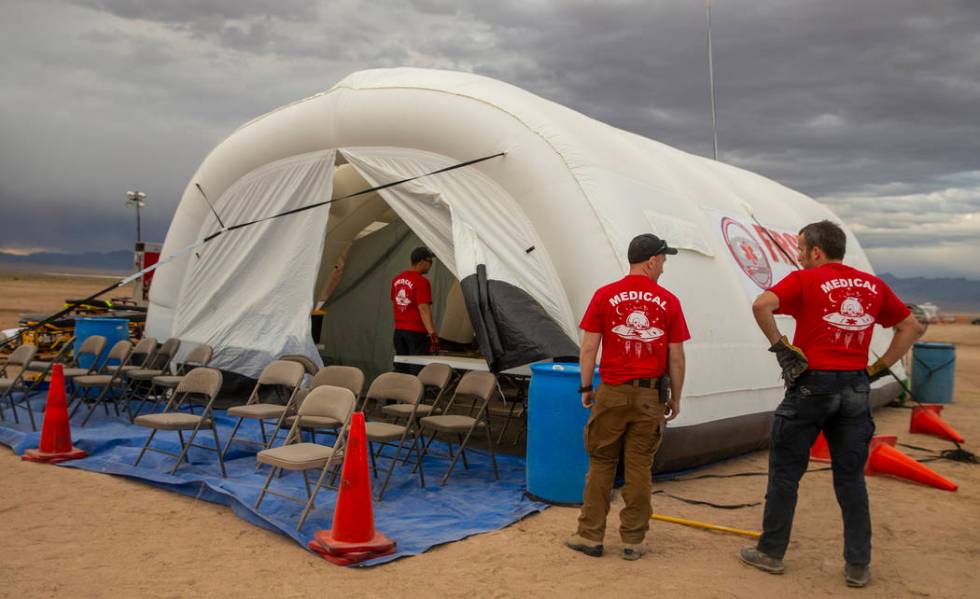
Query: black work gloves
791	359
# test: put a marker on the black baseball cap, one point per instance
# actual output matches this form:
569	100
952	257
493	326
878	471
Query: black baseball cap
645	246
421	253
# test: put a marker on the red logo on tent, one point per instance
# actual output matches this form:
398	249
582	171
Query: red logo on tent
747	252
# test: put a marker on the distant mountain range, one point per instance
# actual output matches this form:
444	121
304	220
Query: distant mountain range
950	294
119	262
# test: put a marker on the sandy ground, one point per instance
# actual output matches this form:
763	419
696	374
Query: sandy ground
69	533
22	292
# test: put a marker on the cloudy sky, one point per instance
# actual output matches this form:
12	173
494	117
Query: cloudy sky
872	107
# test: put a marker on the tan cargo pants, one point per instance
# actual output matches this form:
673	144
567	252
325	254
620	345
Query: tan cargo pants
629	418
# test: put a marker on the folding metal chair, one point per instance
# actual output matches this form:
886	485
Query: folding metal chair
335	403
400	388
480	387
20	358
142	355
204	383
139	381
308	365
347	377
108	377
164	384
44	366
436	376
92	346
278	375
511	410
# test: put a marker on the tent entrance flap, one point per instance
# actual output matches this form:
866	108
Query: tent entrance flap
511	328
249	292
468	221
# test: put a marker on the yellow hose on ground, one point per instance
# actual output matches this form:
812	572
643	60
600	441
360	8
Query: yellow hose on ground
707	526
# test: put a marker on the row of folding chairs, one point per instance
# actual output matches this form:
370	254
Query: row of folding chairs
127	374
280	401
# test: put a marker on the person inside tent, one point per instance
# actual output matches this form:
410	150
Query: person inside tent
641	328
827	386
411	299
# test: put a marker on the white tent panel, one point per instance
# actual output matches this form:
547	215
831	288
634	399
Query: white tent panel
250	292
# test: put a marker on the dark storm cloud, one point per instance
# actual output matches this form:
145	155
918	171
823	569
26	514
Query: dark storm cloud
871	107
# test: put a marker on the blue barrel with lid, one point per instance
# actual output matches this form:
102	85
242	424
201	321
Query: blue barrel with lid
113	329
933	372
556	458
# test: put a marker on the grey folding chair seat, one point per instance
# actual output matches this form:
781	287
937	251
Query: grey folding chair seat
167	380
145	381
156	366
403	389
107	380
59	358
436	376
199	357
93	347
143	353
278	376
480	388
11	382
203	384
347	377
335	403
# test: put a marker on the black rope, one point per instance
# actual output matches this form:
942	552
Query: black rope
721	506
954	455
71	305
352	195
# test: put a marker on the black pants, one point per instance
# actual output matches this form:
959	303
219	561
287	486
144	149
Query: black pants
835	402
410	343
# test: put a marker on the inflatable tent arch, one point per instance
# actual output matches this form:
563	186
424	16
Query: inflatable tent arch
530	234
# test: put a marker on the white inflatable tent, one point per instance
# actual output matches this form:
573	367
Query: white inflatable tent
529	234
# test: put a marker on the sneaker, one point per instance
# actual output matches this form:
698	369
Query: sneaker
633	552
857	576
583	545
758	559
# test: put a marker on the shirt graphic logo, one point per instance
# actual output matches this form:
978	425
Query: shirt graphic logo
851	316
401	299
748	253
638	328
850	321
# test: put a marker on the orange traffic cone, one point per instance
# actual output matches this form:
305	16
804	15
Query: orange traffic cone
56	431
353	537
820	451
885	459
926	420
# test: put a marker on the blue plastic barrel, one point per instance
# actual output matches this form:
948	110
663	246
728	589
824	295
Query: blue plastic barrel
113	329
556	458
933	368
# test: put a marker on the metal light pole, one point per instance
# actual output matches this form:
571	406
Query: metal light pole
138	199
711	79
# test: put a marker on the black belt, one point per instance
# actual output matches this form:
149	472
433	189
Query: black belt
645	383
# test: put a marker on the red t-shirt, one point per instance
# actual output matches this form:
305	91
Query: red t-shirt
836	307
637	319
408	290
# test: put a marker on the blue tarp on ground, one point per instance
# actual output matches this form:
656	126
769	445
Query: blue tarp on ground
418	519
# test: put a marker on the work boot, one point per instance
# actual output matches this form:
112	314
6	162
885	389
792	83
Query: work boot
758	559
580	543
856	576
633	552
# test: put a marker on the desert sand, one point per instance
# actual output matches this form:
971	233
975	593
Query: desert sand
69	533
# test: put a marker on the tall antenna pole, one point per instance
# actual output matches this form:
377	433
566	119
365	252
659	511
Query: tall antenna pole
711	80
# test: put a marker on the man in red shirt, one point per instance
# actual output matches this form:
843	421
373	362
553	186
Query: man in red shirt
641	328
827	386
411	299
